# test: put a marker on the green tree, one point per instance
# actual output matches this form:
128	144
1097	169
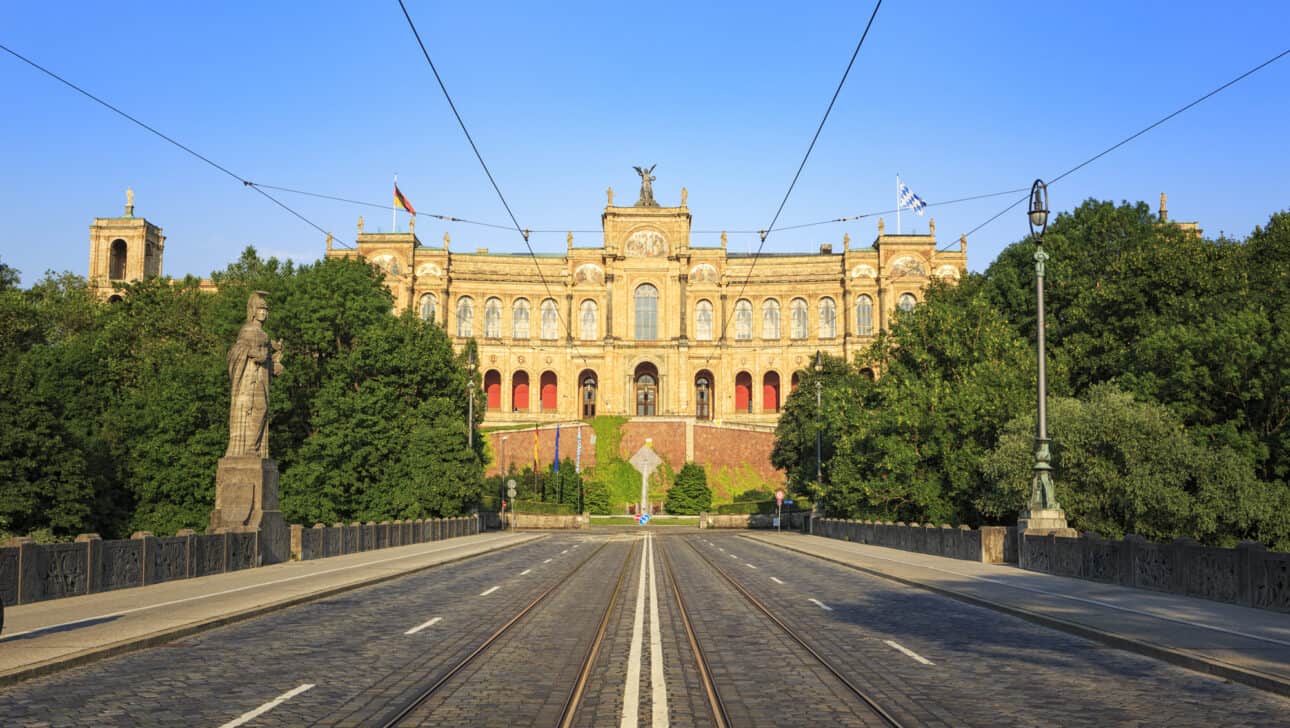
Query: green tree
1124	466
689	494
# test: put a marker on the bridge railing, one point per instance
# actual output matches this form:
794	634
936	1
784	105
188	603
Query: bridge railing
987	545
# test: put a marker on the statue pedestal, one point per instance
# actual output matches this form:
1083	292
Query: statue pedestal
1040	522
246	499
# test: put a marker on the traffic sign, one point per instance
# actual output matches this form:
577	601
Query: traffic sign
779	496
788	502
510	488
643	519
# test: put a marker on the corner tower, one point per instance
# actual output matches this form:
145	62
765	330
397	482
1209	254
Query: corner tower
123	249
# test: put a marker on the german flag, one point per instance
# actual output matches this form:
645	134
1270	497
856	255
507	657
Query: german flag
401	201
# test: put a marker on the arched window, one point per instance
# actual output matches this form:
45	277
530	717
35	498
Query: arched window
427	307
646	312
770	319
493	389
550	319
906	302
797	326
587	320
465	317
770	392
828	318
743	320
703	321
550	400
520	318
864	315
743	392
116	261
588	378
520	392
493	318
646	390
703	395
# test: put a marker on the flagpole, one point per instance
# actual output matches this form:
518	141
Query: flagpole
394	209
897	203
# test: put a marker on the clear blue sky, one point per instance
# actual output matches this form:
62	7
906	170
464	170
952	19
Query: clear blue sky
959	98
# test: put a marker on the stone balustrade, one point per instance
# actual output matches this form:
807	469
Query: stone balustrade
986	545
793	520
1248	575
32	572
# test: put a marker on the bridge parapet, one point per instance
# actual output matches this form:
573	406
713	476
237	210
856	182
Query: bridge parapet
987	545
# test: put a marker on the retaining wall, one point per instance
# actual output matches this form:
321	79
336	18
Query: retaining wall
794	521
31	572
987	545
1248	575
539	521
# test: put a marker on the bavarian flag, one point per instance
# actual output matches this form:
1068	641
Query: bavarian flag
401	201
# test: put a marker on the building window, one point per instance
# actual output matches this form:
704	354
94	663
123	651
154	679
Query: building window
427	307
116	261
587	320
493	318
743	320
864	315
906	302
703	321
588	394
465	317
770	319
520	319
646	390
703	395
797	326
550	319
828	319
646	312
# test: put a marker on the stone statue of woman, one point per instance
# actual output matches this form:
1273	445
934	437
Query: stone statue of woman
647	187
252	361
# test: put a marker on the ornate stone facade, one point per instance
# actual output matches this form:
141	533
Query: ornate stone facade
647	324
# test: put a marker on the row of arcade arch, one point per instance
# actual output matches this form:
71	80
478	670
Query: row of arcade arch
645	392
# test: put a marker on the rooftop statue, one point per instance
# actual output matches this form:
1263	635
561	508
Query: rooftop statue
647	189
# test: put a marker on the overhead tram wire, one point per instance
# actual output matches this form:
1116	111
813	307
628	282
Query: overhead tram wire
1138	133
169	139
725	321
523	233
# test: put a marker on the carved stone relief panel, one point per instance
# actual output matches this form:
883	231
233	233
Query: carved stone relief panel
1271	585
1212	574
947	273
906	266
388	263
589	273
864	270
429	270
122	564
169	559
65	565
646	244
704	273
1152	567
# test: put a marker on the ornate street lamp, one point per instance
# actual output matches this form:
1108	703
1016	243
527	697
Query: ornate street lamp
1043	501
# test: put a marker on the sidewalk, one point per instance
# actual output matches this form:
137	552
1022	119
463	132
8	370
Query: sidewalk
1241	644
43	637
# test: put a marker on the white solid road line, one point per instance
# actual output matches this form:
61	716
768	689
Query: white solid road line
632	686
526	571
821	605
776	580
420	627
907	651
658	685
489	590
252	715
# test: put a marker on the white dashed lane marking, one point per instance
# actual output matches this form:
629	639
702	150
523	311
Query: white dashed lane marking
907	651
422	626
821	605
249	716
776	580
489	590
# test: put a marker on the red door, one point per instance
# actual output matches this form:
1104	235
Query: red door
493	388
743	392
548	392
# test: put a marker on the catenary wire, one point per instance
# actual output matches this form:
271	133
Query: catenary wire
537	265
165	137
1137	134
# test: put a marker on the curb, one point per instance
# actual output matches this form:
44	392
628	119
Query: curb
1181	658
94	654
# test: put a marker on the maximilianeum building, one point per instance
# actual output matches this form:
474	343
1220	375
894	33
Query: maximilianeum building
642	324
645	324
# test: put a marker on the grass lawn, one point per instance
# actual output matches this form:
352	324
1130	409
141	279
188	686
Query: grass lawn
653	521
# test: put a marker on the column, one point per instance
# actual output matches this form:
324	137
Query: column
683	279
609	307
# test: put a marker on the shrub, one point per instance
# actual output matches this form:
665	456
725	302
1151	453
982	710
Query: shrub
689	494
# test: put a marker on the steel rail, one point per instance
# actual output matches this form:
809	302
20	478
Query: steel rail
873	704
416	702
719	715
575	695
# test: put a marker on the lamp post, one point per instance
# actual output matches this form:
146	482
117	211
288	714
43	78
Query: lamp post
819	389
1042	513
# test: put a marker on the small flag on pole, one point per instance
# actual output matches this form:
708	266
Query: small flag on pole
911	200
555	461
402	202
577	464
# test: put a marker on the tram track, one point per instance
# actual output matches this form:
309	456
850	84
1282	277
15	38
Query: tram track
400	716
720	714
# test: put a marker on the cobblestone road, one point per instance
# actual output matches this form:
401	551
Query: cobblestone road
353	659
